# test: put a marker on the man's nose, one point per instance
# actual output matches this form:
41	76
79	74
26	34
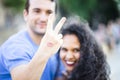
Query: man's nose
43	16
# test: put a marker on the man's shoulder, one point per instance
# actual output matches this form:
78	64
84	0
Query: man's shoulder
21	35
17	38
16	42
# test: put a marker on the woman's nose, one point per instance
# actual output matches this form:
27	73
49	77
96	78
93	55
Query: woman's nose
69	55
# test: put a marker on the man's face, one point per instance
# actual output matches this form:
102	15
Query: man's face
37	15
70	51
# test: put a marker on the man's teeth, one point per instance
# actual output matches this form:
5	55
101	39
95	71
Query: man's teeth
69	62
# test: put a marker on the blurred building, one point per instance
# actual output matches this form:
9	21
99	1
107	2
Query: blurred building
2	15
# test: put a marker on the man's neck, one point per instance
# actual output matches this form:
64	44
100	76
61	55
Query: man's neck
36	38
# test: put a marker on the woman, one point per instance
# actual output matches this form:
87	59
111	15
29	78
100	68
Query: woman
81	55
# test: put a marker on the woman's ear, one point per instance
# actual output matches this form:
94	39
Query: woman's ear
25	14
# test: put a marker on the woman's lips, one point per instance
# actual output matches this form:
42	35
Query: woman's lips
70	63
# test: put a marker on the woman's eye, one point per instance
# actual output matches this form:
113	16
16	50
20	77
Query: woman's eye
63	49
76	50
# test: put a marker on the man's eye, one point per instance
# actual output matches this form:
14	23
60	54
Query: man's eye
36	11
49	12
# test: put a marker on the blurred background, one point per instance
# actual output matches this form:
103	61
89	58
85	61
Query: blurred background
103	17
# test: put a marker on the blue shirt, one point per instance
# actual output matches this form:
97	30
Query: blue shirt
18	49
51	67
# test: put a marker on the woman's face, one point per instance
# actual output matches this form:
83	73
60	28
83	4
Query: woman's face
70	51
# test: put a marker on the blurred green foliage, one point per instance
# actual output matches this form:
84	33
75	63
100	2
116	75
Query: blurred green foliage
94	11
16	5
80	7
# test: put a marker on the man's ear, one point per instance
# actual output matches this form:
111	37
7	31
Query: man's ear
25	14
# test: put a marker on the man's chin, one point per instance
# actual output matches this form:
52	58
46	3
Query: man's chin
39	33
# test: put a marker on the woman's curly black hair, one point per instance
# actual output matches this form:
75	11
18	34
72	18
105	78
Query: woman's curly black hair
92	64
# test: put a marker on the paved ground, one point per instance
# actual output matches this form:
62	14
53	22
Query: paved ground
114	62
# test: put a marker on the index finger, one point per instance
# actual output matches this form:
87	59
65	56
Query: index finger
59	25
50	22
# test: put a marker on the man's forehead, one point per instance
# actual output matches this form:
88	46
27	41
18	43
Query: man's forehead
42	2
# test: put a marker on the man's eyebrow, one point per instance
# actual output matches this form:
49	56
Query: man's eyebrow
35	8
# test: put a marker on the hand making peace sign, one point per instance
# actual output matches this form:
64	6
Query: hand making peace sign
52	40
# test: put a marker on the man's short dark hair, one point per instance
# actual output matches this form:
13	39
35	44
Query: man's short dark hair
28	1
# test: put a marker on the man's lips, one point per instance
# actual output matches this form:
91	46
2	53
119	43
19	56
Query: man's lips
42	24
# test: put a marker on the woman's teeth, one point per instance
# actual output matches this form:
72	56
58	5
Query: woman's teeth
70	62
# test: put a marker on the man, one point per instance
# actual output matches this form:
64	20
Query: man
24	55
